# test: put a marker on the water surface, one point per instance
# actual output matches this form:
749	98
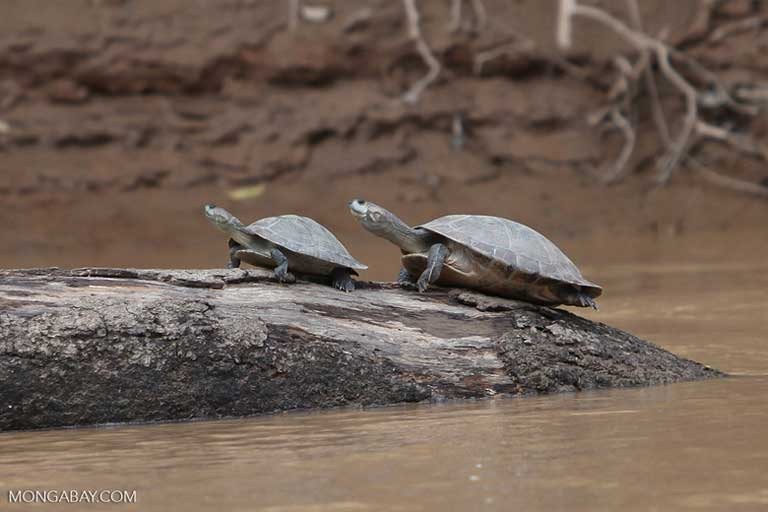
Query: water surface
693	446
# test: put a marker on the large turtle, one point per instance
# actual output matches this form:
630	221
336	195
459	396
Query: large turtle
287	241
490	254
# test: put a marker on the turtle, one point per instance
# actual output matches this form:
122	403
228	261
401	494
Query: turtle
493	255
287	241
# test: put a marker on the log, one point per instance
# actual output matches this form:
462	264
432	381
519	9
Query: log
100	345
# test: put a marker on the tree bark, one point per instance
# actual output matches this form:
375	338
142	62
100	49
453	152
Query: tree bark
97	345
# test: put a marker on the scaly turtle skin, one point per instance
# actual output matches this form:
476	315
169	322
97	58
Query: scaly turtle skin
490	254
287	241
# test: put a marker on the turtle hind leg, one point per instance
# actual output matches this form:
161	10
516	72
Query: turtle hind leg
435	259
281	270
341	278
405	279
587	301
573	295
234	261
580	298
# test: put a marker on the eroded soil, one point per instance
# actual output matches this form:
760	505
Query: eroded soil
121	118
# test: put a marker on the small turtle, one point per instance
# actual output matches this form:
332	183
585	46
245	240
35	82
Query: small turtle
287	241
489	254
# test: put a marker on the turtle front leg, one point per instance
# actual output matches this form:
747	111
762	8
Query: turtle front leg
435	259
281	270
342	279
234	261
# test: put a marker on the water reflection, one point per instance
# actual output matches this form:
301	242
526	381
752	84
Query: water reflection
694	446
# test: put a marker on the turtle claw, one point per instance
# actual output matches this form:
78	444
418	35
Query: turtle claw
283	276
345	286
287	278
342	280
422	284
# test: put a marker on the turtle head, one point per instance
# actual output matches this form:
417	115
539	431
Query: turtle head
381	222
373	217
221	218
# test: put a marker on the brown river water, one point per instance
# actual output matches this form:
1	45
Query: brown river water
692	446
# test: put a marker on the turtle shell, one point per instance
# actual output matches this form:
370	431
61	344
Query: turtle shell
512	244
304	236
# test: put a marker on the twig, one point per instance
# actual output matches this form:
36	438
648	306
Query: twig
565	23
728	182
681	145
751	93
455	23
642	42
414	32
481	17
742	143
628	131
505	47
755	22
719	95
659	118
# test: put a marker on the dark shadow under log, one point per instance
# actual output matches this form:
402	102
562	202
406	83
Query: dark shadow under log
92	346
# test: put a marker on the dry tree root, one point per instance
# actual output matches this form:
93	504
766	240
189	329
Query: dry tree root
414	33
745	25
481	16
734	184
505	47
693	128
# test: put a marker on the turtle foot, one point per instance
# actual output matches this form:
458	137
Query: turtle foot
346	285
404	280
284	277
342	280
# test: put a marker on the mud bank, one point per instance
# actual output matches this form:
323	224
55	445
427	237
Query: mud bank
120	118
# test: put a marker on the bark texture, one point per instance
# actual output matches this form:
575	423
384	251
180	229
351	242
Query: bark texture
90	346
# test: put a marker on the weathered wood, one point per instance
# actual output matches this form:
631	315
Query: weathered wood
91	346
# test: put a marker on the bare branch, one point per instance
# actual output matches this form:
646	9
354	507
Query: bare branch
742	143
506	47
414	32
755	22
718	96
644	42
681	145
619	167
735	184
455	24
659	118
565	23
481	17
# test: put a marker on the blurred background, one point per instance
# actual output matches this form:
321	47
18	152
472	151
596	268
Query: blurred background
639	149
119	119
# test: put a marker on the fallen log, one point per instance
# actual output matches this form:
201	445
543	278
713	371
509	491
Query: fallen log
99	345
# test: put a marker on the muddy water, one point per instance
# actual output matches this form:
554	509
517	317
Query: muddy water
695	446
